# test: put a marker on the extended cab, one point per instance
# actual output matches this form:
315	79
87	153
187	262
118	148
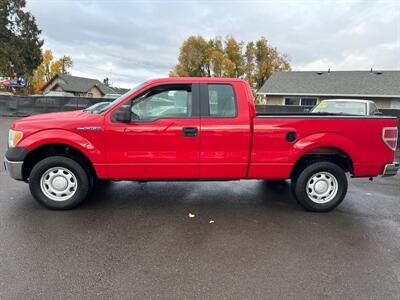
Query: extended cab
197	129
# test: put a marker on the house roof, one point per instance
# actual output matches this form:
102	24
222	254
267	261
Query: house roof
79	84
118	90
334	83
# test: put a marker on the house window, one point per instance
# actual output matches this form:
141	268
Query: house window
306	101
309	101
292	101
395	103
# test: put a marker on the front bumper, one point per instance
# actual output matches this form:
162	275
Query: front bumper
14	168
391	169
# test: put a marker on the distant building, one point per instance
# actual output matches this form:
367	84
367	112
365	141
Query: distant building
80	86
308	88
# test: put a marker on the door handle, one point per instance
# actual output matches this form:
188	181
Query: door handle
190	131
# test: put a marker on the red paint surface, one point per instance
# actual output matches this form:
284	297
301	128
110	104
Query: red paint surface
226	148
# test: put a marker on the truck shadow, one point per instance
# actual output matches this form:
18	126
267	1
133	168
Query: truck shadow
212	194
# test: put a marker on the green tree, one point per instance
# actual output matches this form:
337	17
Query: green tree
20	45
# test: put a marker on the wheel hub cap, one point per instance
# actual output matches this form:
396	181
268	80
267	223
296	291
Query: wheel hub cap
322	187
58	184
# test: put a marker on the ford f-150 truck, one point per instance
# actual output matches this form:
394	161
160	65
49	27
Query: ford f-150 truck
197	129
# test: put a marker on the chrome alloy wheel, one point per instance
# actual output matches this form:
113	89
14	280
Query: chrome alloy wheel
322	187
58	184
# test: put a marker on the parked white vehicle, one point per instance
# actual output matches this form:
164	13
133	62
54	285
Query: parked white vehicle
347	106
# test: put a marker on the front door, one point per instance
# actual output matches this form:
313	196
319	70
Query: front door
161	141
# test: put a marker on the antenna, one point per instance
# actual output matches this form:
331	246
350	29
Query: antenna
329	70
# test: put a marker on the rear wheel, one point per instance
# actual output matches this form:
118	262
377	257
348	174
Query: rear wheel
59	182
320	187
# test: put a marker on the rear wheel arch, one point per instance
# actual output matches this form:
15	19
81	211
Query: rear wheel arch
323	153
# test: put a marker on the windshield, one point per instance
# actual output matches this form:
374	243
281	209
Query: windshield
341	107
98	110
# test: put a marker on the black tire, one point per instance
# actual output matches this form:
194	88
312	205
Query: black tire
328	172
83	182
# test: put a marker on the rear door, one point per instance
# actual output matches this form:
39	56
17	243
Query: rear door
225	131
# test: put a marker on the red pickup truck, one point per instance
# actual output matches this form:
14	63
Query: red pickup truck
197	129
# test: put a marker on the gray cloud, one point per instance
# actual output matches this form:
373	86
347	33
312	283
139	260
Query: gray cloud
136	40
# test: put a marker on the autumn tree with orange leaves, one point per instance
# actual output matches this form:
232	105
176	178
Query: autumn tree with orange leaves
48	69
253	61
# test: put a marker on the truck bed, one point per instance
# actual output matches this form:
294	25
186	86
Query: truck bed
279	140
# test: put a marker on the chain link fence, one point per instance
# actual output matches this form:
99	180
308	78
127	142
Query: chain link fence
21	106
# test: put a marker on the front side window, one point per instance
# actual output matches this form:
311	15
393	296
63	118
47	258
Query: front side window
222	100
166	101
120	98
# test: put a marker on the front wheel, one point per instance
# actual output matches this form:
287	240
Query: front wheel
59	182
320	187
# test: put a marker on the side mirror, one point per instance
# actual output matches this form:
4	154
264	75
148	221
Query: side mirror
122	114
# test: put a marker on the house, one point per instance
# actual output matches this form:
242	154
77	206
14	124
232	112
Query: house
80	86
309	87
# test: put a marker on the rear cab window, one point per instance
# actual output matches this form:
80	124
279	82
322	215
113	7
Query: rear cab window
221	101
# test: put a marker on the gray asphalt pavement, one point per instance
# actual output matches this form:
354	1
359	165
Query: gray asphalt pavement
136	241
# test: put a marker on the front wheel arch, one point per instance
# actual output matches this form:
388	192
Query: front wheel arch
56	149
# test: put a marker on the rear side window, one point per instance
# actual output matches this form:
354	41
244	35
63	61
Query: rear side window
222	100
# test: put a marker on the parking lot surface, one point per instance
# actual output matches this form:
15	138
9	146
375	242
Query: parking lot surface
247	240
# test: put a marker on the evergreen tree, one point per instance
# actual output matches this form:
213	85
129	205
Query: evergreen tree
20	44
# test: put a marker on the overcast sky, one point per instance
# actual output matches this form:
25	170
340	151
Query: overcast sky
130	41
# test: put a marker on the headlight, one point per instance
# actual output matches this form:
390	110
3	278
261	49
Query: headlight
14	137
